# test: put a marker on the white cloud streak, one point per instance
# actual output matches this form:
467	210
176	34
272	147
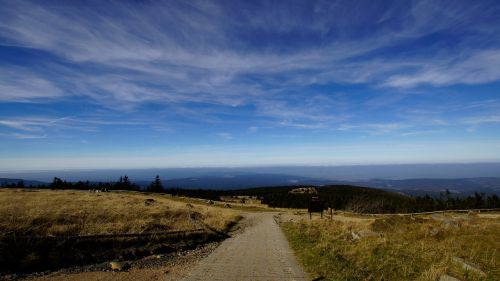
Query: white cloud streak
18	84
23	136
42	124
479	120
225	136
480	67
176	53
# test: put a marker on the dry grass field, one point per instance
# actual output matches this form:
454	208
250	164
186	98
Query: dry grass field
428	247
29	218
57	213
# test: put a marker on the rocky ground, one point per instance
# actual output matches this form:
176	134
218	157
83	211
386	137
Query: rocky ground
172	266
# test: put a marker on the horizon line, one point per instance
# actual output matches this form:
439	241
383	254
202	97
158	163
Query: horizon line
253	166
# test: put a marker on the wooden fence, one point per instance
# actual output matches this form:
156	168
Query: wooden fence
428	213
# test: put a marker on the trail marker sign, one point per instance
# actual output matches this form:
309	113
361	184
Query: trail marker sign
315	206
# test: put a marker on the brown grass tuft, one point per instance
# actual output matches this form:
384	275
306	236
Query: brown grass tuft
398	248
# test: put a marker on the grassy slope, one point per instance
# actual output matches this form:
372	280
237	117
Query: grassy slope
397	248
70	212
44	213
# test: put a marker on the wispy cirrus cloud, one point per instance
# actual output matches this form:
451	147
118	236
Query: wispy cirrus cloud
33	124
225	136
375	128
23	136
19	125
480	67
479	120
172	52
175	74
44	124
20	85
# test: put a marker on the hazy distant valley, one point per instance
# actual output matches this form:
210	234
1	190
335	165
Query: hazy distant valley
236	180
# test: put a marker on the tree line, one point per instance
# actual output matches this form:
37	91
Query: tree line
123	183
351	198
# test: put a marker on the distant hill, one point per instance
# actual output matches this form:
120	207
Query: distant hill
461	186
239	181
414	187
5	181
346	197
333	173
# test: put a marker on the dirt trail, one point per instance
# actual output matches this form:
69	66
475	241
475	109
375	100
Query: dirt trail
260	252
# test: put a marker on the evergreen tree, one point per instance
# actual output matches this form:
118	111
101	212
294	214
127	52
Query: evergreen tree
126	182
57	183
156	185
121	184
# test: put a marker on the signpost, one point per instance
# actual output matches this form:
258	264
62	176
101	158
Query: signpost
315	206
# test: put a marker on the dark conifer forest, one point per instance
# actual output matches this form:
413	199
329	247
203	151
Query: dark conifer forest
351	198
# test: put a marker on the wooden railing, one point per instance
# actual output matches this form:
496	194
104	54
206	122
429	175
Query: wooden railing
427	213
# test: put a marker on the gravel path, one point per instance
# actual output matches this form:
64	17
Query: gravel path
260	252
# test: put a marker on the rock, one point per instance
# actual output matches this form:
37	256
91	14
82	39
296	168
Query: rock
434	231
364	233
469	266
119	266
149	201
355	236
446	277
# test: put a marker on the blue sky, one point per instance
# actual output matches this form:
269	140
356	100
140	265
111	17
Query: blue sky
139	84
